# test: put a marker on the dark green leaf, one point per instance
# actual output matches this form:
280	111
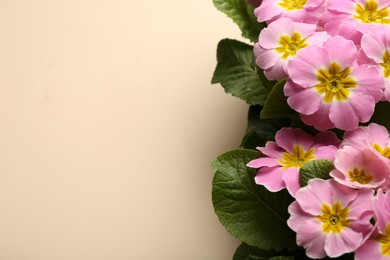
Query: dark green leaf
246	252
242	14
248	211
315	169
237	72
259	131
276	104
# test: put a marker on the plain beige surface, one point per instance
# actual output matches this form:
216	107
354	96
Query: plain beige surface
108	126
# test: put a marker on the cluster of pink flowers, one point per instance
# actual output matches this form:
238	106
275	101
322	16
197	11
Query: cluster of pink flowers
335	58
333	217
335	55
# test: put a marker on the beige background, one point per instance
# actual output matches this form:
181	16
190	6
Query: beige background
108	126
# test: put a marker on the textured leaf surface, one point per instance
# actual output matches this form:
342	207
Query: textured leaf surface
243	15
237	72
315	169
248	211
276	104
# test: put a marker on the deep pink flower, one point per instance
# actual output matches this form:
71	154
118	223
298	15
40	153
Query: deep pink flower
281	41
279	168
330	219
329	89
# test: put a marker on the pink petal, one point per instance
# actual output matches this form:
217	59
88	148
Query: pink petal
269	37
369	78
303	69
373	45
272	150
271	178
297	216
311	200
378	134
345	6
276	72
341	51
288	137
266	59
326	152
358	138
291	179
343	115
311	237
299	101
267	10
371	249
318	38
362	103
320	119
263	162
345	242
348	30
326	138
362	204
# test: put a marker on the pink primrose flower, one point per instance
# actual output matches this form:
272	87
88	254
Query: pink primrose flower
329	89
361	14
376	45
373	136
377	247
292	148
307	11
359	168
330	219
281	41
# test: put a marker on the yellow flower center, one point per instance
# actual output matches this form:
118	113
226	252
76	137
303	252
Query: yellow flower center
334	218
288	46
385	152
334	83
384	239
360	176
297	157
370	13
386	64
292	4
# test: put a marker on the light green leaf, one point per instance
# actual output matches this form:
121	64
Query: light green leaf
248	211
276	104
242	14
237	72
315	169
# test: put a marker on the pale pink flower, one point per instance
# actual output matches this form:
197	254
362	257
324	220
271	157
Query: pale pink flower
359	168
329	89
307	11
377	247
330	219
281	41
279	168
376	45
373	136
362	15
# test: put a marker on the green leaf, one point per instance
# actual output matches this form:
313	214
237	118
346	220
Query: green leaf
315	169
248	211
237	72
276	104
242	14
246	252
381	114
259	131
